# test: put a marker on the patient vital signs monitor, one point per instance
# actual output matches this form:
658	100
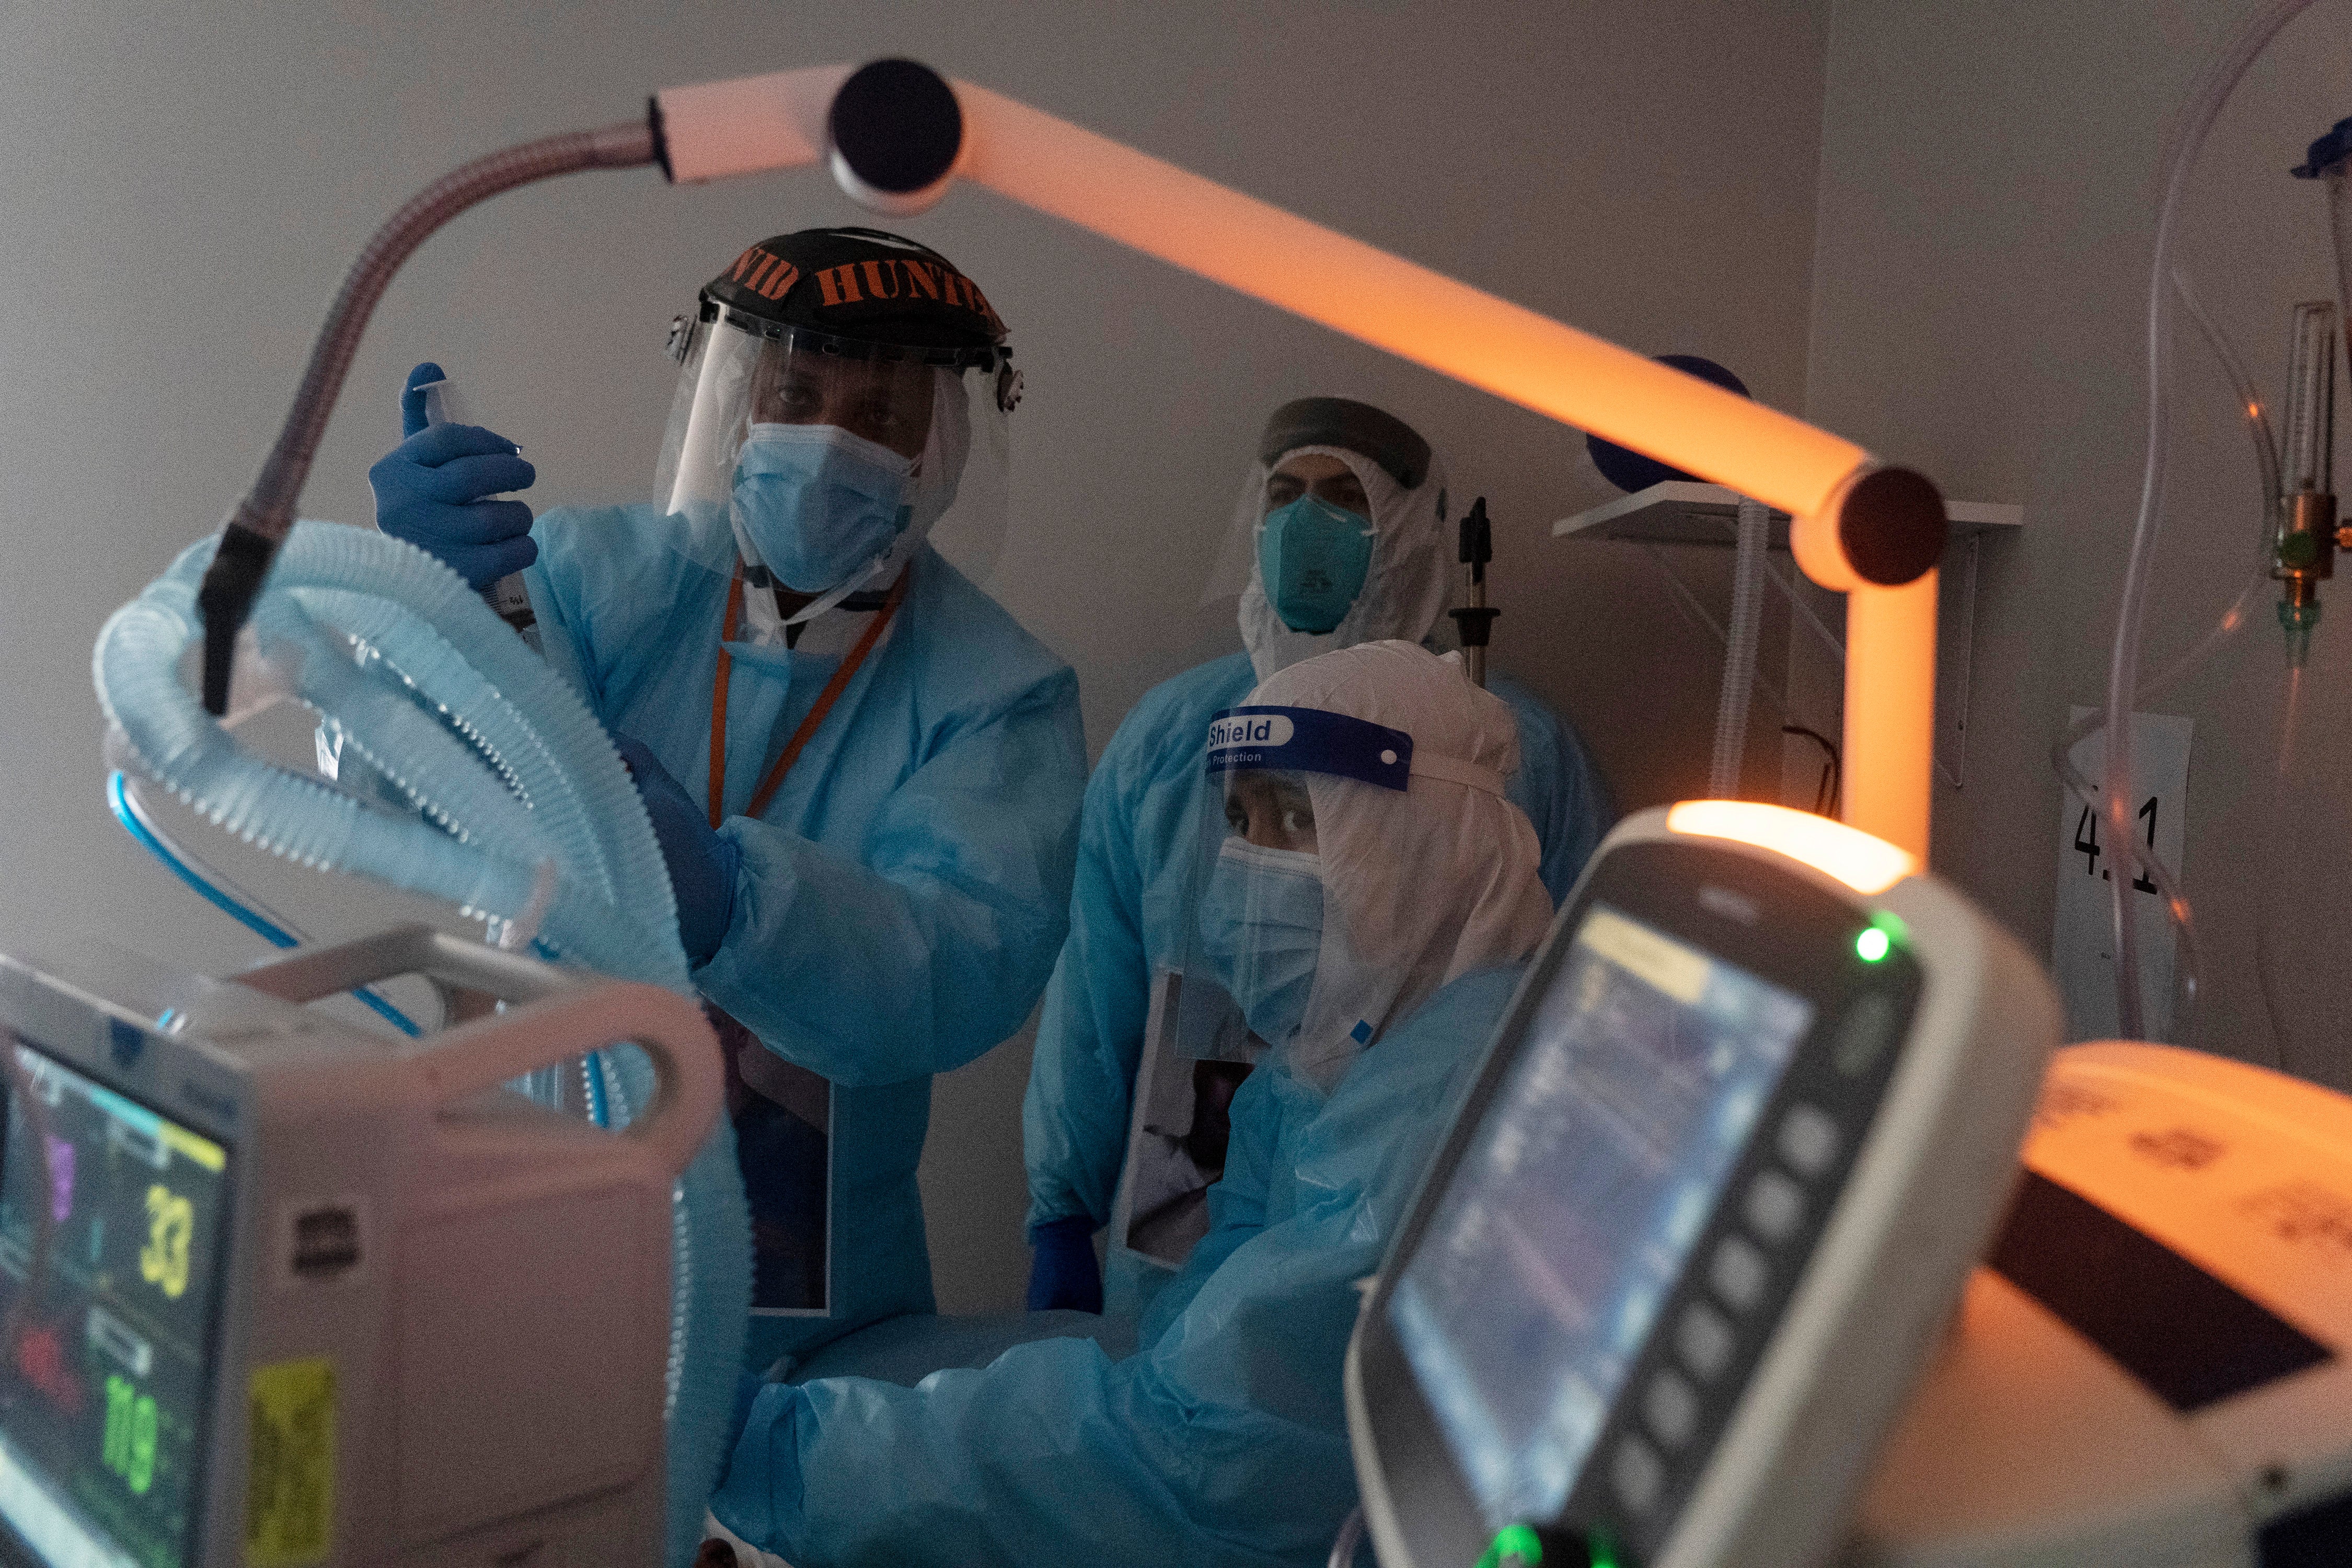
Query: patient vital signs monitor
1740	1137
277	1290
119	1214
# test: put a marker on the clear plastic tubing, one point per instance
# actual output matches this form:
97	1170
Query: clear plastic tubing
2291	1058
1740	651
2212	89
2187	971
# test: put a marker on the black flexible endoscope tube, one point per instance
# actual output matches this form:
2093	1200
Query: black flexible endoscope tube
249	540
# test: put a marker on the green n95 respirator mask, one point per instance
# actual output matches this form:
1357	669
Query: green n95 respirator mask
1313	557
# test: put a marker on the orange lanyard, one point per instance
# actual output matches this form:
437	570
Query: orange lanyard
824	702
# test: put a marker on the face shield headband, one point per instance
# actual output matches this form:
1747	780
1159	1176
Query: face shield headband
1309	741
1316	740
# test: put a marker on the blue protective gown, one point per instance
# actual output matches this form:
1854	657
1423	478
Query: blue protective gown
1222	1441
1135	844
901	898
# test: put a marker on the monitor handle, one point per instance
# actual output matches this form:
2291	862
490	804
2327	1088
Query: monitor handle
314	972
556	1015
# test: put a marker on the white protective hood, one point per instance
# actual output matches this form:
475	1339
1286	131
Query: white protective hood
1406	591
1419	887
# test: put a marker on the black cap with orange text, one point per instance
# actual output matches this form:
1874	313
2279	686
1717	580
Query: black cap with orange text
860	284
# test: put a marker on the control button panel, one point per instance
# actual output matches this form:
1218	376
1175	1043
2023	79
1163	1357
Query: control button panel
1775	1205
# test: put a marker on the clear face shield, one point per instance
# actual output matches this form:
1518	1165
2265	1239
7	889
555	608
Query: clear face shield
1261	930
828	462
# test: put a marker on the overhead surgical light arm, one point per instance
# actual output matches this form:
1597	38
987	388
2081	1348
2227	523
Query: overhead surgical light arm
896	135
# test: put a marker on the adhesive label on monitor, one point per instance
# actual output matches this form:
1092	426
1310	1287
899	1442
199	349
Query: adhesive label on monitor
1593	1170
121	1215
290	1489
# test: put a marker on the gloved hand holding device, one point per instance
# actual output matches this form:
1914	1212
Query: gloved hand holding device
429	490
702	863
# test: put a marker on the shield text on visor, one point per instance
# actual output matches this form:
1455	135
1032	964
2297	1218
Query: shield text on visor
1309	739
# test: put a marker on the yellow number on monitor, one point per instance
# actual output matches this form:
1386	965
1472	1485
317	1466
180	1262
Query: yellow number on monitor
171	1222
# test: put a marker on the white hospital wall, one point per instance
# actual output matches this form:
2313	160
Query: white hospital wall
185	181
1987	215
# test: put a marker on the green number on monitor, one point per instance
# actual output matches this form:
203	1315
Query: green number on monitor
141	1473
115	1453
128	1447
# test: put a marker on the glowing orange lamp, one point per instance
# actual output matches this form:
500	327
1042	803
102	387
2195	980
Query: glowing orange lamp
896	135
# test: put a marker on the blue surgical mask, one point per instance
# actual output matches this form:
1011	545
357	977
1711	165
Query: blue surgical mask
1262	930
818	502
1313	557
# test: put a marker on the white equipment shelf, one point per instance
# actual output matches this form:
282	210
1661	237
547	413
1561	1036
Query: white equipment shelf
1689	512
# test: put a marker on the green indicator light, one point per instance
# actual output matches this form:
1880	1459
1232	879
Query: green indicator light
1522	1546
1878	940
1514	1546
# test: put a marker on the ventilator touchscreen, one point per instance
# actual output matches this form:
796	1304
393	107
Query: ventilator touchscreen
1731	1152
119	1214
1597	1165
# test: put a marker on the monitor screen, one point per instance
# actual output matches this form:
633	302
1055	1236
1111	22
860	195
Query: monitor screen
1562	1229
119	1215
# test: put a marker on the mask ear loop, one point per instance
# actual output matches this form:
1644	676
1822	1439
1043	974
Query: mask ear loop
839	591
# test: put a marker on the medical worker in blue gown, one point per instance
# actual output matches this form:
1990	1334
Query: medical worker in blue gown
863	775
1345	522
1368	904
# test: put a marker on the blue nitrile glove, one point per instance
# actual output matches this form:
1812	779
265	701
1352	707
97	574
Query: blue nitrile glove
429	490
702	864
1064	1275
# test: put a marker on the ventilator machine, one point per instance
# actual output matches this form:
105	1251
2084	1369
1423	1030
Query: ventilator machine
1679	1288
